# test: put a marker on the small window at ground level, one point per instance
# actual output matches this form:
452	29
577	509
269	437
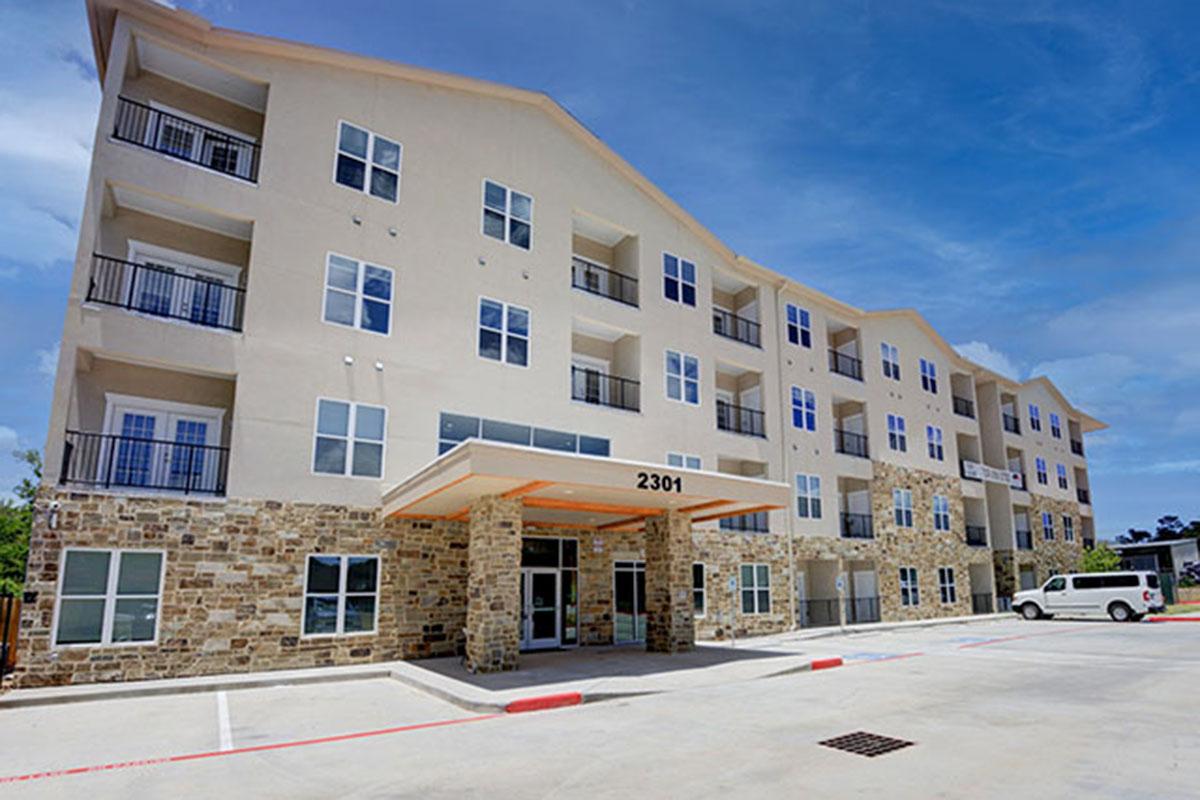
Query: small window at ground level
946	585
341	594
108	597
756	588
910	593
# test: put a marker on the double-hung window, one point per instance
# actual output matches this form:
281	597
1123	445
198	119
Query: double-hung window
946	585
897	438
756	588
108	597
1035	418
503	332
679	280
933	436
1062	476
683	461
799	326
507	215
349	439
902	507
341	594
891	361
1039	467
808	496
368	162
683	378
910	592
804	409
1047	526
1068	528
358	295
941	512
699	600
929	376
1055	426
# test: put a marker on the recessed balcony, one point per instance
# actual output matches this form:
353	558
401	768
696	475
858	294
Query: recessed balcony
163	292
604	260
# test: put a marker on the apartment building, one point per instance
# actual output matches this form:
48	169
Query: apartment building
365	362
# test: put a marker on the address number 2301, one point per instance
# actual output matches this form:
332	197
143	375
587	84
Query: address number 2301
657	482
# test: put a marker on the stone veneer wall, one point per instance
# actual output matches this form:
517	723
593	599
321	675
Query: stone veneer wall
1057	555
669	559
723	553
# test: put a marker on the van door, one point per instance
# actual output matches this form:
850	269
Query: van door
1056	596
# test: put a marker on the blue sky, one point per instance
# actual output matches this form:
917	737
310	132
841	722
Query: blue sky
1022	173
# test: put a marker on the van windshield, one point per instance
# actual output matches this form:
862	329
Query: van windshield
1152	581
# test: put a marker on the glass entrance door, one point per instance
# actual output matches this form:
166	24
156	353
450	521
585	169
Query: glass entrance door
629	601
539	608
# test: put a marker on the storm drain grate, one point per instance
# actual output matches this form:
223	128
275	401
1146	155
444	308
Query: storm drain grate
866	744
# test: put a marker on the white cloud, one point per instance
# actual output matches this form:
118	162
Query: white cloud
1096	382
8	440
987	356
47	361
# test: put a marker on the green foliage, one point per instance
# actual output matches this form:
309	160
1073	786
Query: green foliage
16	521
1101	558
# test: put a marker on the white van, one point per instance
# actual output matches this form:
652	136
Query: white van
1124	596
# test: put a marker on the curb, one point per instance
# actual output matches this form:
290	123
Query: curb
543	702
806	634
826	663
1172	618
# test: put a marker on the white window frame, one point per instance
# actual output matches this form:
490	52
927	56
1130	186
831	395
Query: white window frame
1041	472
910	587
109	597
683	380
890	356
506	212
1060	472
154	134
941	512
357	294
808	496
933	437
902	508
1055	425
369	160
680	281
897	433
1035	418
350	440
342	594
684	461
929	376
1047	526
804	401
802	324
947	586
1068	528
701	592
504	332
753	589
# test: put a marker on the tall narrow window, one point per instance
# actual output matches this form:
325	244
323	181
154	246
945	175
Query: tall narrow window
808	496
1068	528
902	507
109	597
683	378
910	592
799	326
683	461
507	215
756	588
891	361
1047	525
804	409
1035	418
1039	467
1055	426
946	587
368	162
699	601
897	438
941	512
1062	476
349	439
929	376
933	436
679	280
341	595
358	295
503	332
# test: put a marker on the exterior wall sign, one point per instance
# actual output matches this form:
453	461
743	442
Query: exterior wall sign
982	472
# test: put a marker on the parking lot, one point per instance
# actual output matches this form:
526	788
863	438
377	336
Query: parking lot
1056	708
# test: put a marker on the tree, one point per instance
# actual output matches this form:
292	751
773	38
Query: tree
16	521
1133	536
1170	527
1101	558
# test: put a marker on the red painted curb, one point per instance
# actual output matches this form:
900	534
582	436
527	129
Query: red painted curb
1189	602
826	663
1169	618
544	702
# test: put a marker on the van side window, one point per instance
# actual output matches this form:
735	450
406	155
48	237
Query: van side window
1086	582
1057	585
1152	581
1120	581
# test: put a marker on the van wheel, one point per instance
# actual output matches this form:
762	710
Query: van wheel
1030	611
1120	612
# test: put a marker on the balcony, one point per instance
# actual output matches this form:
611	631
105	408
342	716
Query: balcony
857	526
846	365
738	419
1011	424
163	292
964	407
604	282
1084	496
862	610
185	139
851	444
1077	447
740	329
599	388
746	523
817	613
977	536
1024	540
107	461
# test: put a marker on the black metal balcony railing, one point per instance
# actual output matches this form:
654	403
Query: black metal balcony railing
818	613
1077	447
194	142
738	419
163	293
981	604
596	279
846	365
107	461
731	326
593	386
857	526
964	407
746	523
977	535
861	610
1084	496
1011	423
1024	540
852	444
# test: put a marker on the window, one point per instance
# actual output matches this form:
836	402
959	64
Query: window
799	326
341	594
933	435
358	152
1068	528
897	438
699	601
756	589
902	506
891	361
507	215
503	332
1062	476
929	376
683	378
1039	467
1055	426
910	592
108	597
358	295
679	280
946	585
683	461
1047	526
349	439
456	428
808	496
804	409
1035	418
941	512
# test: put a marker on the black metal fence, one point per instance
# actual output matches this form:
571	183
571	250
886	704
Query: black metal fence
818	613
857	526
964	407
1077	447
185	139
1011	423
981	604
593	386
860	610
846	365
852	444
127	462
732	326
165	293
977	535
1084	496
738	419
599	280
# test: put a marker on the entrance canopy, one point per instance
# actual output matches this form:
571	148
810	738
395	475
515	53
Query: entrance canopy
565	490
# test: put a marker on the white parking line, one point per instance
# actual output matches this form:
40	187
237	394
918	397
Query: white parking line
226	735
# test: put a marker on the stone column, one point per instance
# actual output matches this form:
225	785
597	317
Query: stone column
670	627
493	584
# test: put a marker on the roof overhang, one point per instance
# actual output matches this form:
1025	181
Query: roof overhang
564	490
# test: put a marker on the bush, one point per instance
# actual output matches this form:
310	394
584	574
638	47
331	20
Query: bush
1101	558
